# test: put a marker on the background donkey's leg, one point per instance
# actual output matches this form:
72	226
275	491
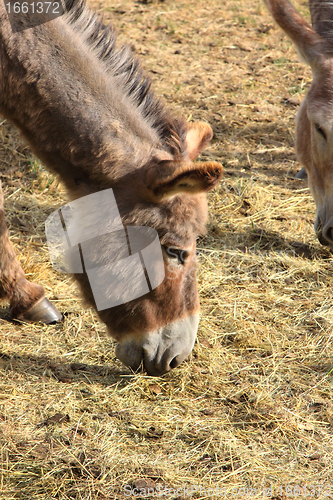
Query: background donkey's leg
27	300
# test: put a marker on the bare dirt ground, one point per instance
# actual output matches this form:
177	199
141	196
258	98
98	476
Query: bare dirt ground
251	412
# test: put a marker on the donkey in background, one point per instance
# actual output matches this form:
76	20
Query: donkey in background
89	114
314	121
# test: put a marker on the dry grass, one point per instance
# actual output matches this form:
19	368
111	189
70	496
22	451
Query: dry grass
253	407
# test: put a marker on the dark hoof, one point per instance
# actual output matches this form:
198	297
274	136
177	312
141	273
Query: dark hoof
43	312
301	174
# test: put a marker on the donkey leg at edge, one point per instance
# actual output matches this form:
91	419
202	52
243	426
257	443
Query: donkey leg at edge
27	300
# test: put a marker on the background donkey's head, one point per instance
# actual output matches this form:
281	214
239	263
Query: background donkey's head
314	122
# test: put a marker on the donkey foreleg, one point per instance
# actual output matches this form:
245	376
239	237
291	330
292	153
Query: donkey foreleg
27	300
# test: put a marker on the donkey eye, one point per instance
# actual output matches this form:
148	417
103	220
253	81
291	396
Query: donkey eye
320	131
176	253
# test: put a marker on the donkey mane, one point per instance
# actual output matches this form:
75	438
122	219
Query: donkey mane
322	20
121	63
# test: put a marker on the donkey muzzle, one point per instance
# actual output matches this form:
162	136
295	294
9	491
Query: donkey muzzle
161	350
324	231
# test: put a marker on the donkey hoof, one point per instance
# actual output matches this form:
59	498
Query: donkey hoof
43	312
301	174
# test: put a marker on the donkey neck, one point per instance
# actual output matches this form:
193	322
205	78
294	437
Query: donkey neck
79	118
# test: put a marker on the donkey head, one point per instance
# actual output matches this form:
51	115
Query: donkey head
314	121
167	193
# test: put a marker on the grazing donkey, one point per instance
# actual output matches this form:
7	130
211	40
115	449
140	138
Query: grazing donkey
88	113
314	121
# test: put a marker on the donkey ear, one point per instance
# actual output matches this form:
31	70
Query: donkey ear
307	42
199	134
171	178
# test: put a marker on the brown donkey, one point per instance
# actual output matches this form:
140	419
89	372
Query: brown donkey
88	113
314	121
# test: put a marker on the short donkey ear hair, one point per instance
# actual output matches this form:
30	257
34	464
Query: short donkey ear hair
198	136
308	43
169	178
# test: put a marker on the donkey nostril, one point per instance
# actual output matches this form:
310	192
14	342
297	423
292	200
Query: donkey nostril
174	363
327	234
320	233
322	239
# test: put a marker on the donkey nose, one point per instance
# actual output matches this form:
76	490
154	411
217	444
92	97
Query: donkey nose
162	350
324	234
166	364
324	239
328	234
175	362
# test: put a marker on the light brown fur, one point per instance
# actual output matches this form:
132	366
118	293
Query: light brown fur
13	284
